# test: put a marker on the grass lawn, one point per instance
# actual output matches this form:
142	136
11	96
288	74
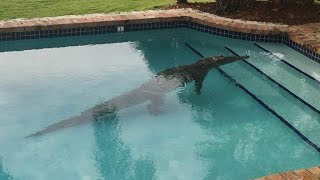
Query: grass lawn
10	9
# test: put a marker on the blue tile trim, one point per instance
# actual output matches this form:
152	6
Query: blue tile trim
138	27
301	49
282	119
234	34
83	31
90	30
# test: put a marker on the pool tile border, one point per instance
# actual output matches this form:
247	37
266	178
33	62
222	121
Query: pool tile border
302	49
151	20
38	34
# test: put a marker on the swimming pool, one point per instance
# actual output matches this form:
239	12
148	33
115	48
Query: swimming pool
233	130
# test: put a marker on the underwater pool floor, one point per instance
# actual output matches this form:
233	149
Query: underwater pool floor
253	118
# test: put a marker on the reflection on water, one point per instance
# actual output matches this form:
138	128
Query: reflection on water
168	56
4	174
113	157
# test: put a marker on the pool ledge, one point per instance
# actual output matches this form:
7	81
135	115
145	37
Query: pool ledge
307	174
19	29
135	17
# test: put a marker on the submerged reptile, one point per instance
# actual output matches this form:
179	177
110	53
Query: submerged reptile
153	90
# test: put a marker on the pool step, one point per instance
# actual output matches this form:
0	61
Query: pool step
291	56
260	96
298	83
276	82
287	63
294	111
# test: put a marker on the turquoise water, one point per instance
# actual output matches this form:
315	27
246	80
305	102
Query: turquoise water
221	134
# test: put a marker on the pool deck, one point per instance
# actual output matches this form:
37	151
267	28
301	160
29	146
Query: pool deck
302	174
306	34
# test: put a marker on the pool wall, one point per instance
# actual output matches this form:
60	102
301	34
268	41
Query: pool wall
22	29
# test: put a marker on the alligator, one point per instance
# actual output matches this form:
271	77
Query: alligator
152	90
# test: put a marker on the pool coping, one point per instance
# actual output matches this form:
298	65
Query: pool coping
79	25
308	174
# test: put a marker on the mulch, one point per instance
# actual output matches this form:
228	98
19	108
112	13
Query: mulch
264	12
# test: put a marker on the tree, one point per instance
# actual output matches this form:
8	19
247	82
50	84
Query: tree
232	5
113	157
280	2
182	1
294	2
227	6
305	2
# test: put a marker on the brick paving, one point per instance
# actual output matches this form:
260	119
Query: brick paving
302	174
307	35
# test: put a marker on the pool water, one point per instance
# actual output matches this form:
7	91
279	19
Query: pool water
223	133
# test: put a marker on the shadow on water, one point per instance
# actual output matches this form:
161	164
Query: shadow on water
161	54
114	159
70	41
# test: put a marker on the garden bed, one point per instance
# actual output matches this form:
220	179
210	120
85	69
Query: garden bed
264	12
